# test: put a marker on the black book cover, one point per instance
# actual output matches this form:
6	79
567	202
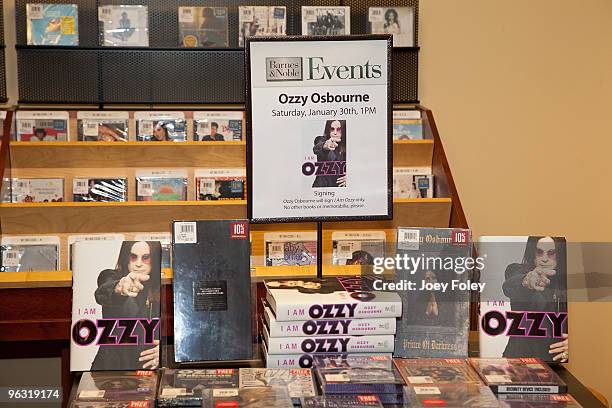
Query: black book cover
212	290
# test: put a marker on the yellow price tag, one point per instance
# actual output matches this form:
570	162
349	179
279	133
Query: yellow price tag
67	24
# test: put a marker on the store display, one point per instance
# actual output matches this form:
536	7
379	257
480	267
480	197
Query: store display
115	305
101	190
341	401
419	371
204	27
323	20
220	184
30	253
165	239
42	126
103	126
407	125
90	237
398	21
290	248
299	382
161	185
357	247
434	323
518	376
212	126
52	24
35	190
537	401
523	304
332	327
450	396
160	126
124	25
257	21
212	290
184	387
413	182
115	387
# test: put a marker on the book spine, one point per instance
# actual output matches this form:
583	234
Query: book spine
344	327
362	310
335	344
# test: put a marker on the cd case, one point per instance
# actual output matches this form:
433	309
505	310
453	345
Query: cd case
109	126
326	21
261	397
220	184
124	26
357	247
407	125
34	190
52	24
413	182
203	27
117	386
299	382
184	387
258	21
363	380
450	396
160	126
30	253
290	248
398	21
417	371
101	190
218	126
161	185
42	126
341	401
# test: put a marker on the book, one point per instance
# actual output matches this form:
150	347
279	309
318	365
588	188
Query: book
418	371
290	248
413	182
451	396
407	125
203	27
30	253
212	290
398	21
115	305
537	401
42	126
518	376
220	184
357	247
161	185
165	239
260	397
435	321
52	24
124	25
116	387
341	401
333	327
160	126
102	190
103	126
37	190
330	298
184	387
523	305
361	361
90	237
326	20
257	21
299	382
213	126
359	380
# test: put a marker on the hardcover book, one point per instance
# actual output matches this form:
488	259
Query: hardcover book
52	24
523	305
451	396
214	126
398	21
212	290
327	21
418	371
407	125
299	382
103	126
160	126
257	21
102	190
360	380
342	401
518	376
42	126
290	248
110	387
330	298
161	185
203	27
537	401
37	190
361	361
124	25
184	387
261	397
115	305
435	321
412	182
220	184
30	253
357	247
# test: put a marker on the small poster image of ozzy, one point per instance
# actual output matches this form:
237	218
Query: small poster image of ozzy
326	153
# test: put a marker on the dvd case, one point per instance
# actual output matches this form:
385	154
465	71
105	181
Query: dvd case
30	253
537	401
160	126
418	371
111	387
299	382
203	27
523	305
407	125
398	21
161	185
333	327
103	126
124	25
413	182
450	396
362	361
357	247
121	404
330	298
518	376
341	401
257	21
35	190
360	380
212	290
290	248
261	397
115	305
103	190
52	24
324	20
220	184
218	126
42	126
184	387
165	239
435	321
90	237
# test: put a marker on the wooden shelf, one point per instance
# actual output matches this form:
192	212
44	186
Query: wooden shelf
408	153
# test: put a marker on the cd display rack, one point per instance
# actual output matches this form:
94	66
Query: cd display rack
3	93
164	73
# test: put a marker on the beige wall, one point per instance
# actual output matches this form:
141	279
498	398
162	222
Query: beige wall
522	95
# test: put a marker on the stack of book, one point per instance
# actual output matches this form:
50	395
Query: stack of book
333	317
